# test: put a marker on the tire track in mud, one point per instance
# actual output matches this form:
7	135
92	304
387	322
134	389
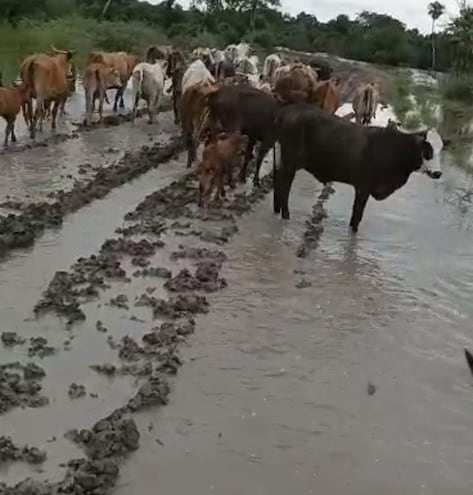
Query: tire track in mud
171	211
109	120
21	230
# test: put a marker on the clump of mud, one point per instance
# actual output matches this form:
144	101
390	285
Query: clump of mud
76	391
314	226
10	339
39	347
20	387
154	392
11	452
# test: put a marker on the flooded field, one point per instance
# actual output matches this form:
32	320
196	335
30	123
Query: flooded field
341	371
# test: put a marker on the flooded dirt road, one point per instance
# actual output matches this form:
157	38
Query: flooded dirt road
340	372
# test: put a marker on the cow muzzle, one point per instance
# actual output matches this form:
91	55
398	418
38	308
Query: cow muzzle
434	174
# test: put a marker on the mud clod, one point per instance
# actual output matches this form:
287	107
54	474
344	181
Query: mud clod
154	392
9	339
121	301
16	391
159	272
76	391
303	284
33	372
10	452
39	347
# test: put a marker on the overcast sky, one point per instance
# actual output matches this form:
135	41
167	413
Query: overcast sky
411	12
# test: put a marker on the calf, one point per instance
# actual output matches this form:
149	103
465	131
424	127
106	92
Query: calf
97	78
326	95
365	103
375	161
249	110
217	163
11	102
148	84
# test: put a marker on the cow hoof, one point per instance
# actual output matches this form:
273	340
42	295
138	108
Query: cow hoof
241	179
285	215
354	229
256	183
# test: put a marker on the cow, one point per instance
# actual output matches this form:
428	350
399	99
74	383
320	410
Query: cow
393	124
271	64
148	84
46	77
196	73
97	78
375	161
365	103
247	65
217	163
326	95
295	84
322	68
223	70
248	110
154	53
175	70
121	61
11	102
193	113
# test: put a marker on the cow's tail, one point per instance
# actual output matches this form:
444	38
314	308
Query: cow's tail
139	88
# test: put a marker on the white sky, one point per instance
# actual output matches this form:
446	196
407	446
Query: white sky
411	12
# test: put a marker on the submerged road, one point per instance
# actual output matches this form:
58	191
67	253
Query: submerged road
341	372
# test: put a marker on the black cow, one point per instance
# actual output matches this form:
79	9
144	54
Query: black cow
250	111
222	70
375	161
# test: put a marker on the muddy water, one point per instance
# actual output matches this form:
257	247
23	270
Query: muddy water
273	396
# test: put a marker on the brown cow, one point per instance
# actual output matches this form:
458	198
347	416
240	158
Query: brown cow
175	70
123	62
217	163
194	112
295	83
326	95
11	101
96	80
46	78
365	103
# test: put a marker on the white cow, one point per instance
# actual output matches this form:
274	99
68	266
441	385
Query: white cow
271	64
148	84
196	73
234	53
247	65
218	55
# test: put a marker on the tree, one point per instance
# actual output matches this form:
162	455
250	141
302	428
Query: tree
436	10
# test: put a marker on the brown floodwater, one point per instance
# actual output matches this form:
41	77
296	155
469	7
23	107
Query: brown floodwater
273	396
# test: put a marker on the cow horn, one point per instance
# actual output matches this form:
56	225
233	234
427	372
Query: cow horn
55	50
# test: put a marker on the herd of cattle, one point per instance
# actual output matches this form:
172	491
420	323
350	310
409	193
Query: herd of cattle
222	99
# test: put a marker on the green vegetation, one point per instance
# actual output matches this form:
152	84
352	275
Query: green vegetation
30	25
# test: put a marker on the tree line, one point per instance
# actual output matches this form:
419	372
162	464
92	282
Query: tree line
370	37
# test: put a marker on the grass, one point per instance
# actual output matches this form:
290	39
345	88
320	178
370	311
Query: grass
457	87
73	33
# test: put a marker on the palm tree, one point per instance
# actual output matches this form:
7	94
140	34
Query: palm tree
436	10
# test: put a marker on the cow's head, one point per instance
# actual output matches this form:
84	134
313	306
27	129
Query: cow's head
67	53
430	145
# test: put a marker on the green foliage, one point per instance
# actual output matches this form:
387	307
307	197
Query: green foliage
457	87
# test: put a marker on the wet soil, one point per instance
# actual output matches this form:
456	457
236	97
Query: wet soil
315	361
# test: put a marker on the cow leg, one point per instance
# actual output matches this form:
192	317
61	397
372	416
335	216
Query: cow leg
7	133
285	179
56	106
248	154
190	145
12	131
361	198
263	150
115	103
101	109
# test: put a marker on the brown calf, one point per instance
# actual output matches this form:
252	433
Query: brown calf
11	101
326	95
96	80
217	163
